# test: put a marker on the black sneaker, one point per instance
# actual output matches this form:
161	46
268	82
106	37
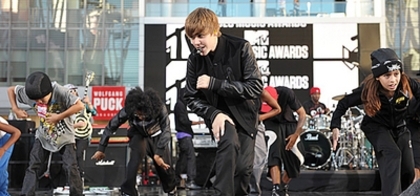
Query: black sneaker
123	194
286	189
192	186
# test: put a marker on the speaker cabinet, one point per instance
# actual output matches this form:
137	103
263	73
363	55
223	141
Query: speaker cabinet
23	125
110	171
19	160
121	132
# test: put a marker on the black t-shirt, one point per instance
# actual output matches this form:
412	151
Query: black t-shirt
288	103
313	109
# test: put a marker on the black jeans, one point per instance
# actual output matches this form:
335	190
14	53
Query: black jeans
394	155
414	128
141	146
81	146
186	159
39	155
234	161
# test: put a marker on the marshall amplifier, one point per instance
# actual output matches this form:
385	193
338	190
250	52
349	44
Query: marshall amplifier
97	132
110	171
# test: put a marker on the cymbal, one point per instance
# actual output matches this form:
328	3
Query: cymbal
338	97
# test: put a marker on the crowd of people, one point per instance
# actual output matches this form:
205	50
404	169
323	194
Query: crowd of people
224	87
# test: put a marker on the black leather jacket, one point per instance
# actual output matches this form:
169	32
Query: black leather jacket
391	115
145	128
234	76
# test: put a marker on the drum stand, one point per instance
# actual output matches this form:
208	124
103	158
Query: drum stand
346	155
353	151
368	160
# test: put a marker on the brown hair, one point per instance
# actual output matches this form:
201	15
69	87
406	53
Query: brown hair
370	93
202	21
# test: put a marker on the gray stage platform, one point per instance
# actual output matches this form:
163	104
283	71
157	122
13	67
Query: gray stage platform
310	182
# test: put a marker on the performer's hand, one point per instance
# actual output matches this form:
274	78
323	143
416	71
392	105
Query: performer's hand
98	156
159	161
20	113
79	124
86	99
291	141
52	118
203	82
218	125
335	135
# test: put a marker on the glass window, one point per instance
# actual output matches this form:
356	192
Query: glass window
66	38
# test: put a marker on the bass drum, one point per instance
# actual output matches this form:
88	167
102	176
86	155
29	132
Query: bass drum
318	149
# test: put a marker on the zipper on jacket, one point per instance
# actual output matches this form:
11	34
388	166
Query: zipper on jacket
229	73
144	128
392	113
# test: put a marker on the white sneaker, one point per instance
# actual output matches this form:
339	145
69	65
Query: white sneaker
61	191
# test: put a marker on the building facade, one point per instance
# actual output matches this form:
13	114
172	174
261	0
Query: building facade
68	38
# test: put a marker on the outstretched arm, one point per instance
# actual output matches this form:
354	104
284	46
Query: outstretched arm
116	121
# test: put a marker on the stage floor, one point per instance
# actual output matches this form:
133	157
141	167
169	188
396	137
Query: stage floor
157	191
309	183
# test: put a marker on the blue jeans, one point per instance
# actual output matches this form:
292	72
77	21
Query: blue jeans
4	161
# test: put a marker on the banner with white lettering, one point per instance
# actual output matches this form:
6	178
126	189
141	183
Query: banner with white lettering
295	55
284	53
108	101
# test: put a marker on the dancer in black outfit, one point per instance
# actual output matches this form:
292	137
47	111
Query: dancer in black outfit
223	86
149	134
385	95
286	149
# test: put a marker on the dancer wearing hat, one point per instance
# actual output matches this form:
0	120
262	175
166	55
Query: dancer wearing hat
385	95
54	105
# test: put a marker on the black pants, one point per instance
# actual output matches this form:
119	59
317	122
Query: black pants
140	147
81	146
394	155
414	128
277	153
186	159
39	155
234	161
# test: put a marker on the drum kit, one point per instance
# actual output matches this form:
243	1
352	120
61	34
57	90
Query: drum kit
353	151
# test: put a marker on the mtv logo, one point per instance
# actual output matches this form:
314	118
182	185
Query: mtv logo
257	37
264	67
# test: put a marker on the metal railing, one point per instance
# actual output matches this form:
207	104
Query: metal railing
269	8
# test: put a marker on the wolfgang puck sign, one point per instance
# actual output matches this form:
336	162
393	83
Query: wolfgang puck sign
108	100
